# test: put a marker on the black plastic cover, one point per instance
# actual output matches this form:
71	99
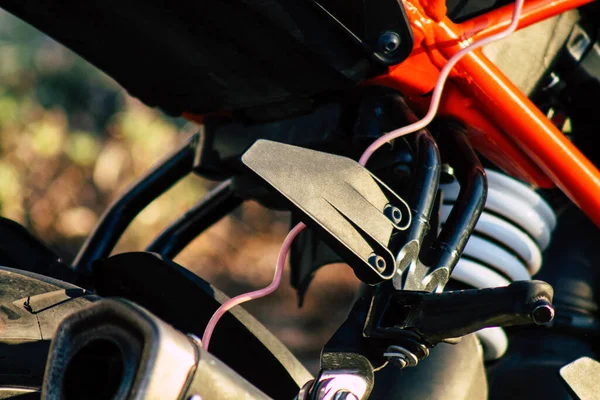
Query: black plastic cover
203	56
20	249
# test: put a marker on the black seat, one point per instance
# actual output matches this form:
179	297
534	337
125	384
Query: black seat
204	56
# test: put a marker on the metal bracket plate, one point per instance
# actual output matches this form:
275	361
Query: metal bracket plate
354	212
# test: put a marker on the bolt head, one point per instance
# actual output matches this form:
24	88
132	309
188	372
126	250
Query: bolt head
389	42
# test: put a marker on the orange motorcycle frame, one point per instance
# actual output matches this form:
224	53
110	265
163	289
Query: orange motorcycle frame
504	125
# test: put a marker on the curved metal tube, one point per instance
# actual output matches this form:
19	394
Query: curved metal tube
421	200
469	205
426	181
142	192
214	206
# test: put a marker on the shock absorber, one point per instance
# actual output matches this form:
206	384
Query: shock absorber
507	244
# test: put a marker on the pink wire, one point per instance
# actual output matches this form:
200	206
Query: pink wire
405	130
439	87
229	304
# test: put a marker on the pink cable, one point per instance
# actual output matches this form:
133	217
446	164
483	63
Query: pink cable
229	304
405	130
439	87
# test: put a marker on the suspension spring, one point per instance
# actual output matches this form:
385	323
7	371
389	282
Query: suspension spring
506	245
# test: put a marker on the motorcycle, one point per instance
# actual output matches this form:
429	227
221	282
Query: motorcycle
400	149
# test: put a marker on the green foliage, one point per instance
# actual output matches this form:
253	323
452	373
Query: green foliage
71	140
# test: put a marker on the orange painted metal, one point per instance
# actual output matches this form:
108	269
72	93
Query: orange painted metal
533	11
485	136
568	168
504	125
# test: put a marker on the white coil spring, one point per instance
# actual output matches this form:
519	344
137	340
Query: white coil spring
507	244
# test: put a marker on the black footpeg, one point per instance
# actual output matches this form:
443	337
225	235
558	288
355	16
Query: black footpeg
436	317
386	321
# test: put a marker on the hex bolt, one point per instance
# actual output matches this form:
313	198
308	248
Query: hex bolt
393	213
389	42
377	262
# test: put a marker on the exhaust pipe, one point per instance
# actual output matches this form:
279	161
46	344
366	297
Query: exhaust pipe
116	350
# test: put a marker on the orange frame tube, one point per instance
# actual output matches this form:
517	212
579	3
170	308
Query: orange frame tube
505	126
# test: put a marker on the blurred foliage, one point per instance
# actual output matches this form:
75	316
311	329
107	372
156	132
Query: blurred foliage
71	140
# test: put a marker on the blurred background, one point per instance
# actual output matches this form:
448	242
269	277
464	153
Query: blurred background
71	140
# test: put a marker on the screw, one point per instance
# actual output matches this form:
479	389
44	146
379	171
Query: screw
377	262
389	42
393	213
542	313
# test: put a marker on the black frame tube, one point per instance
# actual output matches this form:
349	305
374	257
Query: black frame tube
142	192
214	206
469	173
426	179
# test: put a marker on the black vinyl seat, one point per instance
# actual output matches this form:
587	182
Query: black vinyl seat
204	56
